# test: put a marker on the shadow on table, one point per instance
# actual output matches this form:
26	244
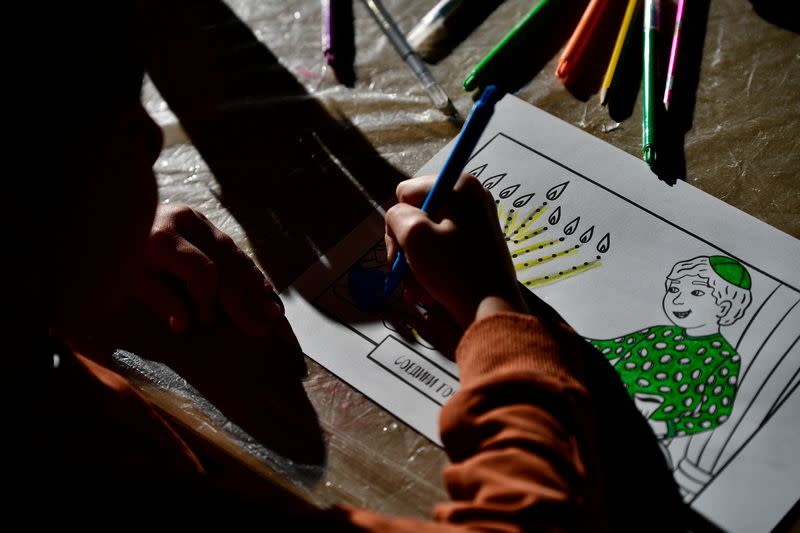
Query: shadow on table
586	75
455	28
296	178
622	94
671	125
679	117
534	48
783	14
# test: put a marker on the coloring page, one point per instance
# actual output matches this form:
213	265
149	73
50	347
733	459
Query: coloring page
693	303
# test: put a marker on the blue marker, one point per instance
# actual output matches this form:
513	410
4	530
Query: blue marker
473	129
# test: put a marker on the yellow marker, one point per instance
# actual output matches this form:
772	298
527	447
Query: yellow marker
618	46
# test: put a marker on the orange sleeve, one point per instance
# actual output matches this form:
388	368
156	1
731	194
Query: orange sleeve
104	426
519	434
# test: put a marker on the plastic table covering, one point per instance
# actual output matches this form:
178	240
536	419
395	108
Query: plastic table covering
262	138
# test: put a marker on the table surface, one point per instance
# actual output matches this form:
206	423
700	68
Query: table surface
286	160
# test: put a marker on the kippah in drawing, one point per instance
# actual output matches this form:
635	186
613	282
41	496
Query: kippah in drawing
731	271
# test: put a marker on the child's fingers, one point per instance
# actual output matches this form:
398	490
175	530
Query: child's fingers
469	187
194	268
391	246
155	293
404	221
413	191
236	265
245	294
414	293
253	311
195	227
243	291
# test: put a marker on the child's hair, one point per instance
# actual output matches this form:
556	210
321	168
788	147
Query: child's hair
82	62
728	279
84	58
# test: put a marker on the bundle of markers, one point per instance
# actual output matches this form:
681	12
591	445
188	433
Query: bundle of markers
584	37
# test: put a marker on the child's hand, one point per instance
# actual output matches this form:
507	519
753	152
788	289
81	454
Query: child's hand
460	260
190	269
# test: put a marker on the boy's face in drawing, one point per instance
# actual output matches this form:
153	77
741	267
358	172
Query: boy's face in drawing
689	303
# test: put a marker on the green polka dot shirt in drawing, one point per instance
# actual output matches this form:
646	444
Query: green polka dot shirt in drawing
696	376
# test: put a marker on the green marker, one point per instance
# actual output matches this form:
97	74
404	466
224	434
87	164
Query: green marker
482	74
649	101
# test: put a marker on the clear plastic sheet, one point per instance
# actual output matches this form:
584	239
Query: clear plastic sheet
742	145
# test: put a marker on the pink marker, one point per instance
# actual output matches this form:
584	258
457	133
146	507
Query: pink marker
673	54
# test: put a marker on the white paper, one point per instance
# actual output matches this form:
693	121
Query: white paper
597	235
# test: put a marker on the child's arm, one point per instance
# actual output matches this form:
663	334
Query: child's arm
522	432
519	434
190	271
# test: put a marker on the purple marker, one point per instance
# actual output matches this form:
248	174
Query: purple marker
338	39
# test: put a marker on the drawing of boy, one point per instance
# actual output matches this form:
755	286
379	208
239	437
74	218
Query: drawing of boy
683	376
